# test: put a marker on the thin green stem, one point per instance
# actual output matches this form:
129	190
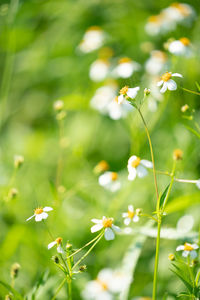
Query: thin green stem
151	150
69	288
148	216
170	186
191	92
155	279
86	254
59	288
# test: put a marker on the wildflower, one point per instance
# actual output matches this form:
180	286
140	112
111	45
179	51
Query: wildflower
102	166
125	68
188	249
99	70
106	286
109	180
156	63
58	105
130	215
40	213
18	161
167	82
137	166
107	224
184	108
92	39
180	47
178	154
127	92
179	12
154	24
57	242
171	256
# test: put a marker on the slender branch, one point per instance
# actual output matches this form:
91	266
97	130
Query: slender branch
192	92
170	186
156	261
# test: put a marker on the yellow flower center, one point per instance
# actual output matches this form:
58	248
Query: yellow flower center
181	8
185	41
154	19
159	55
107	222
178	154
166	76
130	214
114	176
136	162
103	284
101	166
38	211
59	240
124	90
124	60
116	99
95	28
188	247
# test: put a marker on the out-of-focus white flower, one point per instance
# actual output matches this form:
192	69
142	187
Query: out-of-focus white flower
185	223
155	96
99	70
137	166
188	249
156	63
154	25
180	47
125	68
130	215
167	83
127	92
92	39
179	12
107	224
57	242
40	213
106	286
109	180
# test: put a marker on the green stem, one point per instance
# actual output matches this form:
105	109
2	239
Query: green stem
192	92
59	288
170	186
86	254
69	288
151	150
155	279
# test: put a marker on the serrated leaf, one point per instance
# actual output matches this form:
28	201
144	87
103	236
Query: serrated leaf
12	290
163	196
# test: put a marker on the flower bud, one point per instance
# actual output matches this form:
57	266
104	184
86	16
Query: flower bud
83	268
68	246
138	211
102	166
178	154
13	192
14	270
61	115
58	105
184	108
18	161
55	259
147	92
171	256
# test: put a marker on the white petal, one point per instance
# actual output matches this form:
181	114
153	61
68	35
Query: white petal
141	171
30	218
120	99
125	215
116	228
132	92
133	158
164	88
47	208
177	75
185	253
44	215
171	84
97	221
52	244
147	163
38	218
180	248
193	254
131	208
132	175
136	218
195	246
160	83
105	179
96	227
127	221
60	249
109	234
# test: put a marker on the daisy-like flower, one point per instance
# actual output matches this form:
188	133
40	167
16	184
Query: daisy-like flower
126	67
180	47
107	284
127	92
102	166
109	180
154	25
92	39
57	242
179	12
156	63
40	213
130	215
107	224
188	249
167	83
137	166
99	70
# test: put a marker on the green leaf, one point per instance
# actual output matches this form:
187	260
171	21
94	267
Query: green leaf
193	131
182	202
12	290
198	86
163	196
41	281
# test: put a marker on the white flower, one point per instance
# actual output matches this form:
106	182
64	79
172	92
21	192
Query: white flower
155	96
107	224
92	39
130	215
198	184
180	47
188	249
127	92
109	180
156	63
137	166
126	68
99	70
40	213
103	96
116	111
57	242
106	286
167	83
179	12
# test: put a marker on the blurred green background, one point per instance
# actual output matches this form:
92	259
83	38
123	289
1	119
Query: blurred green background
40	64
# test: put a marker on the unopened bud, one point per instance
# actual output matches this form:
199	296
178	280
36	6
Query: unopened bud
14	270
58	105
12	193
102	166
147	92
18	161
138	211
184	108
171	256
55	259
83	268
68	246
178	154
61	115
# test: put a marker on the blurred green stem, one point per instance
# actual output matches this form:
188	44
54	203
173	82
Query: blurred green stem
59	288
155	278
